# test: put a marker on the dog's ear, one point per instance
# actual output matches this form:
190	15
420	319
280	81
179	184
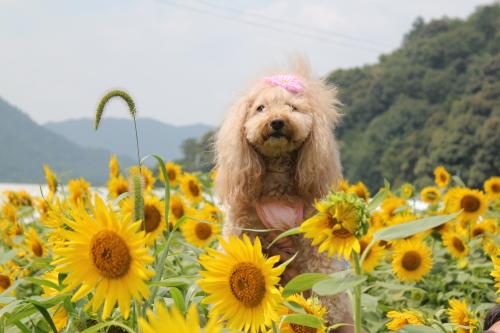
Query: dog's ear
239	167
318	163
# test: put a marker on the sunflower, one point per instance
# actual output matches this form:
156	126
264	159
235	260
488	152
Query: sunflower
117	186
191	188
456	244
199	233
459	315
173	173
441	177
473	203
430	195
492	188
9	212
106	255
411	260
360	190
391	205
6	280
34	243
165	320
344	185
341	219
241	284
114	167
310	306
154	217
178	209
373	257
78	190
59	315
407	190
495	273
147	176
486	226
401	319
51	179
19	199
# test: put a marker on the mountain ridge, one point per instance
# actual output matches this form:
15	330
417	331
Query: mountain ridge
117	135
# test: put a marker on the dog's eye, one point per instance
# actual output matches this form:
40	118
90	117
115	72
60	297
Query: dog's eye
293	107
260	108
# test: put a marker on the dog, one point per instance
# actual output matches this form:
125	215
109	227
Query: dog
275	155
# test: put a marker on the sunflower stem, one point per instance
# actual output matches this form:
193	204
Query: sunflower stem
357	295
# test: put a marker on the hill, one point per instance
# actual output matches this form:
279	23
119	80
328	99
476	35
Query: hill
26	146
435	100
117	135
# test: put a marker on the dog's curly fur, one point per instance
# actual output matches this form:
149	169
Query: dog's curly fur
299	164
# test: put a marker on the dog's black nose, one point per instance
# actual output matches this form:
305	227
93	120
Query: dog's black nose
277	124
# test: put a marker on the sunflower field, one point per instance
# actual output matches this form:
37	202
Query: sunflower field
146	255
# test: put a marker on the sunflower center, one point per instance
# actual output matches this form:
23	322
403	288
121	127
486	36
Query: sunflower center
302	329
120	189
470	203
342	233
443	177
458	244
171	175
477	231
178	211
4	282
203	231
431	195
193	188
248	284
411	260
152	218
37	248
495	188
110	254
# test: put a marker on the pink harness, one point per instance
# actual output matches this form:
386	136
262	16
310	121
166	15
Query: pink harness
280	214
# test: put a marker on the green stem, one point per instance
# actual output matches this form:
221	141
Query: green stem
357	295
137	143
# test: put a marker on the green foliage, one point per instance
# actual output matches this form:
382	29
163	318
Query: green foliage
197	154
433	101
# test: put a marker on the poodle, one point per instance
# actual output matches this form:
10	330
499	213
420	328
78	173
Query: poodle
275	156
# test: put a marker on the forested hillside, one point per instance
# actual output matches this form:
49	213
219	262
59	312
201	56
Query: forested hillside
435	100
26	146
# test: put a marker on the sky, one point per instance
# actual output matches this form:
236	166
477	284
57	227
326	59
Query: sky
185	61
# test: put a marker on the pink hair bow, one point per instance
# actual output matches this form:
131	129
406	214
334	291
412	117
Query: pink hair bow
286	81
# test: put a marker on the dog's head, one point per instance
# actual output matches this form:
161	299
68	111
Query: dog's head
278	120
278	115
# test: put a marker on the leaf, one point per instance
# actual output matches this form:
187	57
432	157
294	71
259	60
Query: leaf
171	282
378	198
289	232
178	299
7	255
302	319
334	286
289	260
44	313
295	307
411	228
418	329
41	282
98	327
303	282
